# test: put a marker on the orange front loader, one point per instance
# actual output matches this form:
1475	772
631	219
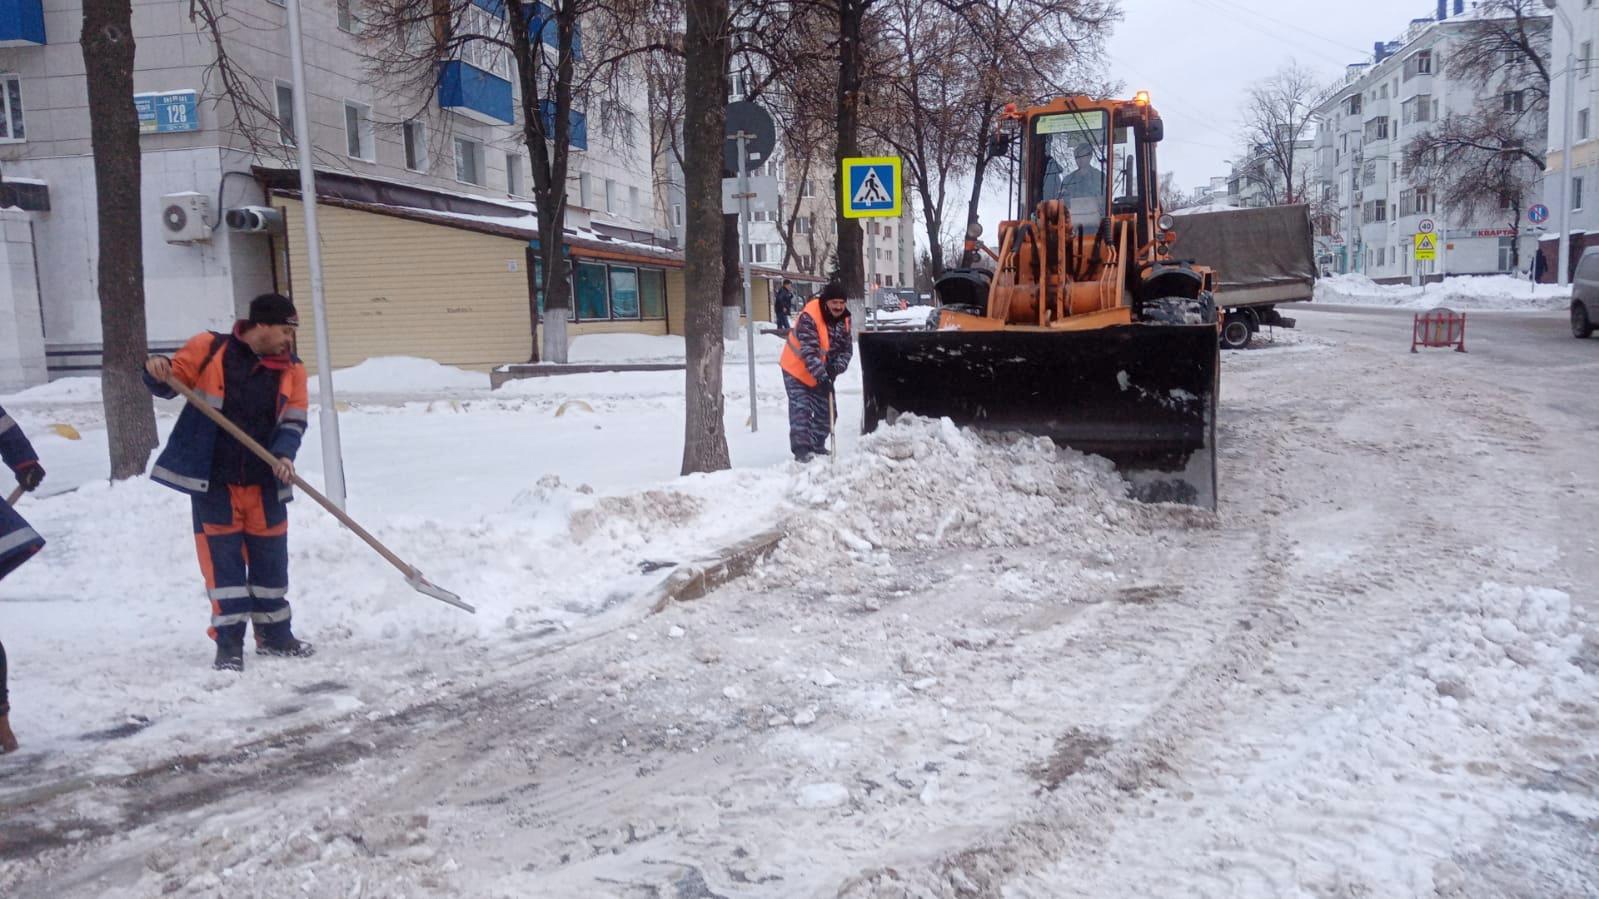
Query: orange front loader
1090	331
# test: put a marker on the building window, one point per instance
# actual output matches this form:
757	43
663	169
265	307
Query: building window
490	56
610	195
588	283
633	203
1376	211
347	20
1576	194
585	190
12	128
1377	129
1585	61
805	189
677	215
1507	253
624	292
652	293
802	224
416	146
468	160
1354	104
1513	101
757	252
285	114
513	175
888	231
358	140
1582	124
1419	63
807	262
1418	109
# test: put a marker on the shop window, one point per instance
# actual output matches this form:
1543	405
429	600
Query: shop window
652	293
624	292
590	287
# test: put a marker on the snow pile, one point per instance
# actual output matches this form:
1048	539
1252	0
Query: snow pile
609	349
403	374
925	483
1501	292
65	390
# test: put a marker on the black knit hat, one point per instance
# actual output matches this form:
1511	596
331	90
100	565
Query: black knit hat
834	291
273	309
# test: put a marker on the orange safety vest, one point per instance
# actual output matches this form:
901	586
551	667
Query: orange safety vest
791	360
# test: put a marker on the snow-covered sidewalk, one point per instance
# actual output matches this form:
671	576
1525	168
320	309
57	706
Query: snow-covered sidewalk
549	504
1474	292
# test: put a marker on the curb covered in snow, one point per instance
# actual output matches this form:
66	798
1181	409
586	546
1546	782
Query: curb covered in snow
697	579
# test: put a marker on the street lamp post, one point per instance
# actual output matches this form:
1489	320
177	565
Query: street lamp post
1565	145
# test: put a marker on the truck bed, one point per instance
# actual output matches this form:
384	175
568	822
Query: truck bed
1262	256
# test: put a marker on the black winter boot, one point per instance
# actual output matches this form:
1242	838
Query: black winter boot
291	648
230	657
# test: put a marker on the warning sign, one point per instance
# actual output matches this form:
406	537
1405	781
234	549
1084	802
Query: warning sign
871	187
1426	246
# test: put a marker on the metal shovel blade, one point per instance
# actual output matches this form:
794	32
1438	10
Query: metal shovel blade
426	587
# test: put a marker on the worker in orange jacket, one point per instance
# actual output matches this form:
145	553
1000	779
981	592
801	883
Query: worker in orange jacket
241	524
816	352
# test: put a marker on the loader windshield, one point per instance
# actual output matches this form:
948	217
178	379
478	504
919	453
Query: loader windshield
1072	148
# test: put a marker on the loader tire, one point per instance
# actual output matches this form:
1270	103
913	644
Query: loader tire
1581	326
1200	310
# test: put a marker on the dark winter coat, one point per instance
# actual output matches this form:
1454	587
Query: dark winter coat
18	540
189	459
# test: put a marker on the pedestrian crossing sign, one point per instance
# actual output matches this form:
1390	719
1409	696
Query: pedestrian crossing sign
1426	245
871	187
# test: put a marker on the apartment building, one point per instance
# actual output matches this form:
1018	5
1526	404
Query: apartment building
428	219
1583	93
1369	206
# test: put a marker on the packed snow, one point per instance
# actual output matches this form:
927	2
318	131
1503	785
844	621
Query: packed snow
970	667
1465	292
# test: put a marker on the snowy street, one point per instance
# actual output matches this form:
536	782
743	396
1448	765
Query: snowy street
971	668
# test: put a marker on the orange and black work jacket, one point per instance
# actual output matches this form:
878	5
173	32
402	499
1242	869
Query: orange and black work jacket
195	454
815	351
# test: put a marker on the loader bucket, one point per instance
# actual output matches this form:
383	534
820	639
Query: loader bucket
1141	395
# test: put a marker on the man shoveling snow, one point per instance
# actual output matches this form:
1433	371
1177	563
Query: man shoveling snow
18	540
241	522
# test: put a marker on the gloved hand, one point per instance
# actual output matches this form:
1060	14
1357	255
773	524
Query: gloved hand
29	474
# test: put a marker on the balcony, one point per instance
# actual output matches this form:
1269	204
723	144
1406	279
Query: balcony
21	23
468	90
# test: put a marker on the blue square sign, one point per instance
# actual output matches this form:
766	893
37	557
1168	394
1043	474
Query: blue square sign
871	187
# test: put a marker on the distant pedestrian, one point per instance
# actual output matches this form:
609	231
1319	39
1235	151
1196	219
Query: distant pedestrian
1540	265
783	304
816	352
241	524
18	541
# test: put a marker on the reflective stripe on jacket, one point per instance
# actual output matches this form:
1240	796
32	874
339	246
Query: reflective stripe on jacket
809	358
185	464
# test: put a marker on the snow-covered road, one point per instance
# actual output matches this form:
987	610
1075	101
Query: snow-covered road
972	670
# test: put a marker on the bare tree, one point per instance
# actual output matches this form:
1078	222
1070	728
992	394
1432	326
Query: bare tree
1277	123
705	55
1172	197
1021	51
107	46
1488	159
538	44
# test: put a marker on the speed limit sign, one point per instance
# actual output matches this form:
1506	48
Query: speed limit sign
1425	226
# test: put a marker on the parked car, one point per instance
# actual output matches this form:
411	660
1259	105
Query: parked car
1585	294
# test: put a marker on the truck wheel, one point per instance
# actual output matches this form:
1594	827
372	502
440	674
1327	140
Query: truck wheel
1235	333
1581	326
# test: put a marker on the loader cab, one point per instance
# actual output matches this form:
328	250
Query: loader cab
1070	160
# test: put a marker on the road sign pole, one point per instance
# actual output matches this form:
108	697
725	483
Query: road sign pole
744	238
328	415
871	278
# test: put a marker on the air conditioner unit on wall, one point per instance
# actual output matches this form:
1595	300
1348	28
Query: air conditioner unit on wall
186	217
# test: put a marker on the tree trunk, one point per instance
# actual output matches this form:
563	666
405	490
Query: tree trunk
107	44
851	263
704	130
732	277
969	257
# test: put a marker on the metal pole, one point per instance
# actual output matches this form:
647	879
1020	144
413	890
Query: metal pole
332	457
871	280
1565	153
744	238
